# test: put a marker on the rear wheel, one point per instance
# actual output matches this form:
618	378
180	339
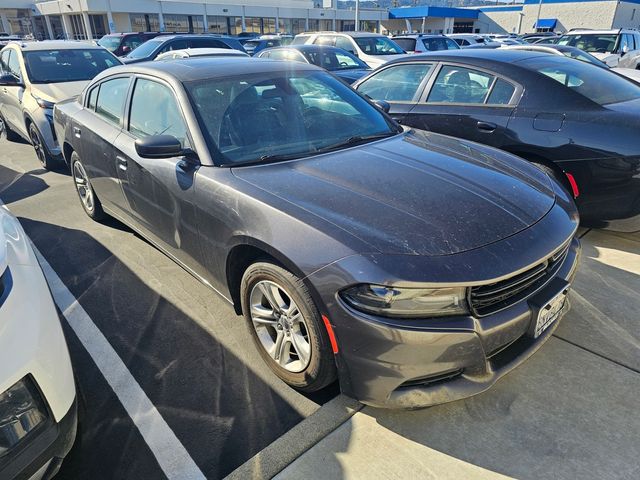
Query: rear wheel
46	159
7	132
287	327
88	198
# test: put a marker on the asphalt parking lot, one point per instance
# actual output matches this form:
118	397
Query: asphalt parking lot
569	412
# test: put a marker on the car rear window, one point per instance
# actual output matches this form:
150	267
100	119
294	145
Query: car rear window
408	44
595	83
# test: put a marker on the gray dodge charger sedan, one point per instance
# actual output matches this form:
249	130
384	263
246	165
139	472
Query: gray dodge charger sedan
413	267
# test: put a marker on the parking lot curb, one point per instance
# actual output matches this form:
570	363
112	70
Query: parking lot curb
278	455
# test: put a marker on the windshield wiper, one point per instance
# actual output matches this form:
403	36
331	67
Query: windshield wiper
267	159
355	140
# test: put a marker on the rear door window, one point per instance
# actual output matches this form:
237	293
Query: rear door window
399	83
206	43
174	45
456	84
111	99
407	44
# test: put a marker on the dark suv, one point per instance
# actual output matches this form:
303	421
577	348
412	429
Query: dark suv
121	44
154	47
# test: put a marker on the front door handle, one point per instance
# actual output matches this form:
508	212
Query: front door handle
122	163
76	132
486	126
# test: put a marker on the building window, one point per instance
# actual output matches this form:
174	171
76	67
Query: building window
97	23
77	28
149	22
56	26
176	23
217	25
268	25
252	24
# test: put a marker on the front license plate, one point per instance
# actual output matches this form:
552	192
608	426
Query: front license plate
550	312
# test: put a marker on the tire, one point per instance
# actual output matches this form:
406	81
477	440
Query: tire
88	198
46	159
7	132
305	360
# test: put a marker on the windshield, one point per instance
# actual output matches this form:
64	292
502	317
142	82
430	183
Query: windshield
72	65
591	42
110	43
146	49
334	60
594	83
378	46
277	116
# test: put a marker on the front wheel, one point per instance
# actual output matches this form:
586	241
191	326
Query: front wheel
287	327
46	159
7	132
88	199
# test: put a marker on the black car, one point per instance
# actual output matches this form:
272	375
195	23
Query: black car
154	47
578	121
121	44
417	268
341	63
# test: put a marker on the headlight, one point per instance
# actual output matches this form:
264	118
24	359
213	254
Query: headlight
21	411
406	302
42	103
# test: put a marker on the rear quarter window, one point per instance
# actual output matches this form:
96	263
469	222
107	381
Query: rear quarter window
594	83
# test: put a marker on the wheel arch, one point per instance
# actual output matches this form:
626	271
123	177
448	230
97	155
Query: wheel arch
535	158
244	252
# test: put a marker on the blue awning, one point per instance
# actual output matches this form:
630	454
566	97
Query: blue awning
549	23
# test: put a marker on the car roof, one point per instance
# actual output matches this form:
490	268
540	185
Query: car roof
308	47
419	35
166	38
597	32
348	34
478	56
198	52
56	45
205	68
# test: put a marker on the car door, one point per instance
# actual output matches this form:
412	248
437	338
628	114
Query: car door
159	190
466	102
400	85
11	101
95	130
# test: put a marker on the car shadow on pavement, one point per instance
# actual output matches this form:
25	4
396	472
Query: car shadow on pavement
221	410
15	186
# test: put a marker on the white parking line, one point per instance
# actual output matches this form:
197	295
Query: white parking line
173	458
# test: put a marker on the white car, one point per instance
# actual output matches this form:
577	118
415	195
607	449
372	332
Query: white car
467	39
576	54
37	391
606	45
372	48
200	52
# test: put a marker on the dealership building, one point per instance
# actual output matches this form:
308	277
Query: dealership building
90	19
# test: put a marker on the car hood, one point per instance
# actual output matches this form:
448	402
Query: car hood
415	193
56	92
351	76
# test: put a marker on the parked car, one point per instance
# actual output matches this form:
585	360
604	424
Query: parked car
466	39
156	46
421	42
200	52
547	40
606	45
417	268
34	76
372	48
336	60
38	413
534	37
6	39
255	45
576	120
631	59
121	44
577	54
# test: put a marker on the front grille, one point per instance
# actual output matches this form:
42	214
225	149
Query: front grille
432	379
488	299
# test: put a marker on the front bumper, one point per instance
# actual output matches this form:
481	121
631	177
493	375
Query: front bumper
418	363
40	454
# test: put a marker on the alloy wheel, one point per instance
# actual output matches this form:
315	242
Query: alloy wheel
280	326
37	145
82	186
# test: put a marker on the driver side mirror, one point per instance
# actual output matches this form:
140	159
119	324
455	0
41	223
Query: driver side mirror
126	49
159	146
625	49
8	80
382	105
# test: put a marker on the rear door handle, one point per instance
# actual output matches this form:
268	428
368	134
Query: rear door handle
486	126
76	132
122	163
